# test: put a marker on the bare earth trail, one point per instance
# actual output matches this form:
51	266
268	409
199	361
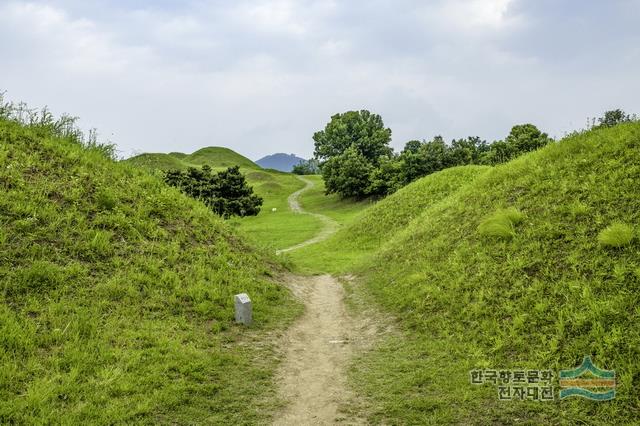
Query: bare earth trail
318	347
312	379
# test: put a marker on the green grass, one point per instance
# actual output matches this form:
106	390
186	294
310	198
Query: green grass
616	235
214	156
343	211
282	228
219	157
366	229
117	296
543	298
501	224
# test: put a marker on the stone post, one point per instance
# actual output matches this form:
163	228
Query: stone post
243	309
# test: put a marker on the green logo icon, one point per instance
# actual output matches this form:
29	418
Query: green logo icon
588	381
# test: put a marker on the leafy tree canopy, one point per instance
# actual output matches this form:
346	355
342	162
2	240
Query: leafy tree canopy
307	167
225	192
347	174
614	117
362	130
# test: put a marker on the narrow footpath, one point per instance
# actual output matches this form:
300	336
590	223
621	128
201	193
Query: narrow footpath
318	347
330	225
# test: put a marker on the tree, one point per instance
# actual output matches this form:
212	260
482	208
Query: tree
613	118
525	138
359	129
522	138
419	161
225	192
386	178
308	167
466	151
351	143
347	174
411	146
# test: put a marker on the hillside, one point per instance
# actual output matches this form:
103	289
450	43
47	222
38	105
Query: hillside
535	264
368	230
212	156
117	296
280	161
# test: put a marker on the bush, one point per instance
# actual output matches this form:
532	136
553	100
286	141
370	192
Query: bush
226	192
308	167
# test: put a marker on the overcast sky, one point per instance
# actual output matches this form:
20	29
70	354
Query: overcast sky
262	76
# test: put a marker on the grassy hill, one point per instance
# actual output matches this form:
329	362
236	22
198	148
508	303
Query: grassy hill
117	296
214	156
534	264
372	227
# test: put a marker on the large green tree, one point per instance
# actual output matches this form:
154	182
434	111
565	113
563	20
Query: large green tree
354	141
523	138
613	118
347	174
359	129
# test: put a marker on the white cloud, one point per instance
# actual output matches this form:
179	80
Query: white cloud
262	76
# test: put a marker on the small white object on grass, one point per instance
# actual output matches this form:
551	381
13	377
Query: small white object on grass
274	210
244	310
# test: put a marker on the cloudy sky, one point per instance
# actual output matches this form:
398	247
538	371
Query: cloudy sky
262	76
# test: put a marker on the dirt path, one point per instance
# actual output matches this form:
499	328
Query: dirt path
318	348
330	225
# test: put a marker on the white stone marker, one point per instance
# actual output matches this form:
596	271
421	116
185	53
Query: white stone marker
243	309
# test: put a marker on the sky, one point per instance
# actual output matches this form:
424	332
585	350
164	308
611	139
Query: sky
262	76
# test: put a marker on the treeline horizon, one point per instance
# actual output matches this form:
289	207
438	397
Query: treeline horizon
353	154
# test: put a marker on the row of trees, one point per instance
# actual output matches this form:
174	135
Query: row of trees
356	160
226	193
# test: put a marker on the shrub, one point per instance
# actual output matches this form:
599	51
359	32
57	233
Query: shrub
226	192
616	235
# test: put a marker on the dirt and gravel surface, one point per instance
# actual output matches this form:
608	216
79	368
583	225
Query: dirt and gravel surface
319	347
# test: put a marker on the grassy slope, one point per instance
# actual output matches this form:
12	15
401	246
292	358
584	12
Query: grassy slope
116	296
542	299
214	156
220	157
365	232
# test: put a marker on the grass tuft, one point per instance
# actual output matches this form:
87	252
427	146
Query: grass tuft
501	224
616	235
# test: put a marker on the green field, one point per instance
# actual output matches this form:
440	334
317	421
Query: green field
213	156
365	231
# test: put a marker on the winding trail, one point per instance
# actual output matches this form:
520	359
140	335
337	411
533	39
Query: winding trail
330	225
319	346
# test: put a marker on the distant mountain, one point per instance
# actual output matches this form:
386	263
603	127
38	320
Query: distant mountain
280	161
